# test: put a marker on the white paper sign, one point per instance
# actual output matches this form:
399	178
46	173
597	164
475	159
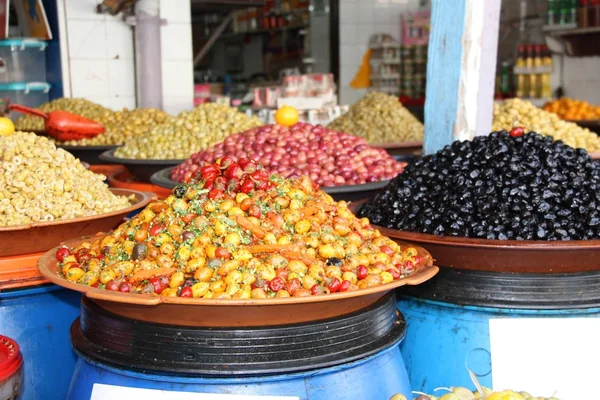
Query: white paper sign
546	356
110	392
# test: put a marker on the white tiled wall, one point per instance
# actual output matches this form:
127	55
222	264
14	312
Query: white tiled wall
359	19
580	78
100	55
177	57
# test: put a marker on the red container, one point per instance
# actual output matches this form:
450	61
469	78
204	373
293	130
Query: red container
11	374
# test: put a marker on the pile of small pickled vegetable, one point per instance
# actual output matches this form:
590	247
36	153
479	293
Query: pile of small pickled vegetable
328	157
240	233
380	118
502	186
461	393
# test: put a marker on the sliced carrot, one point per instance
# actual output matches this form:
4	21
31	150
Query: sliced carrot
249	226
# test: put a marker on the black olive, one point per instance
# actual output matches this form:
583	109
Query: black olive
336	262
496	187
179	191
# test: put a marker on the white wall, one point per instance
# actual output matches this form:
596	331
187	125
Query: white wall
359	19
99	59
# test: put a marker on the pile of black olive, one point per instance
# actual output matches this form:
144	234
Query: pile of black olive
521	187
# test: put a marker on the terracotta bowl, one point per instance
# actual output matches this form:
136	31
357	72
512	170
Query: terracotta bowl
231	312
39	237
526	256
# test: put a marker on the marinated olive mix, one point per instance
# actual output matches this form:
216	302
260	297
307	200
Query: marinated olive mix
240	233
189	132
328	157
40	183
380	118
502	186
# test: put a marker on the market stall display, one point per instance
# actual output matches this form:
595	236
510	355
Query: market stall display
212	240
380	119
516	112
329	158
573	109
521	203
189	132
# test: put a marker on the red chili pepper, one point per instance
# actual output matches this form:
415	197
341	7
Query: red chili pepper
394	273
344	286
208	169
233	185
516	132
158	286
247	186
262	186
409	265
125	287
249	167
254	211
234	171
215	194
317	290
62	253
209	185
387	250
186	292
220	183
112	285
225	162
260	175
156	229
334	285
276	284
362	272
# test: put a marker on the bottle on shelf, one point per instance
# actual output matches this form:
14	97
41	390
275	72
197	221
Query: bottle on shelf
520	65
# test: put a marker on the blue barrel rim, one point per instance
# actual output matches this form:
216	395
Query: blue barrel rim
234	379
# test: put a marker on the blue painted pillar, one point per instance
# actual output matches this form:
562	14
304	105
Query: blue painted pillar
461	70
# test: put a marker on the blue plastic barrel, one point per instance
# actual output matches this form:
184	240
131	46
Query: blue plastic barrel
376	377
448	318
354	356
39	318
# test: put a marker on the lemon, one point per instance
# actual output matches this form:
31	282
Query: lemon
505	395
286	116
6	127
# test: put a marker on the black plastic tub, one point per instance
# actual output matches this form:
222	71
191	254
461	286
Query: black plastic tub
88	154
162	178
141	169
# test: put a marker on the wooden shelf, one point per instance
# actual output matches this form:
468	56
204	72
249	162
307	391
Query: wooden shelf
578	42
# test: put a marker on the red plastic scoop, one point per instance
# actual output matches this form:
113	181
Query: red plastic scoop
63	125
